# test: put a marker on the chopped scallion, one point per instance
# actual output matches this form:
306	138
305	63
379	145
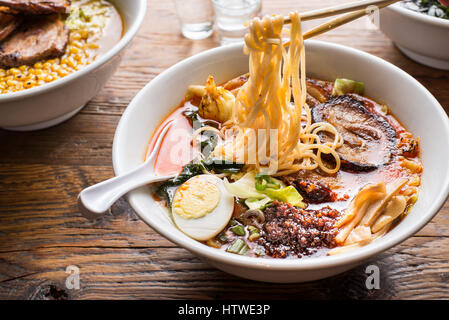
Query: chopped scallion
222	238
233	223
238	230
238	247
253	233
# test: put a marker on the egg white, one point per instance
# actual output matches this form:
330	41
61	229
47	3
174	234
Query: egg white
213	223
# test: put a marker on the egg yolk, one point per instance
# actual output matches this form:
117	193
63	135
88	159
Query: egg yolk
195	199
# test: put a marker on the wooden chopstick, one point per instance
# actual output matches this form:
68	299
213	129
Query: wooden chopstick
340	9
343	20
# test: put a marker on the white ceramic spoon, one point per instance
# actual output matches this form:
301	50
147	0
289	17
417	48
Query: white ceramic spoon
97	199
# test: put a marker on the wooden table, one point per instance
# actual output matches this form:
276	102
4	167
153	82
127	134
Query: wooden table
119	257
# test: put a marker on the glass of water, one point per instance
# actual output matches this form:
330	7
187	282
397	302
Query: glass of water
196	17
231	17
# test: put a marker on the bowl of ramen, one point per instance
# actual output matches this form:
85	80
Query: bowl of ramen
293	162
56	55
419	29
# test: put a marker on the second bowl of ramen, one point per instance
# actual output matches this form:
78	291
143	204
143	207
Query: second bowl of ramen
418	34
76	47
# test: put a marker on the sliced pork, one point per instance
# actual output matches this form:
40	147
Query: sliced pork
37	6
38	39
8	24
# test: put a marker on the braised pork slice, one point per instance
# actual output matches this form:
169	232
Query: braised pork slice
40	38
368	138
37	6
8	23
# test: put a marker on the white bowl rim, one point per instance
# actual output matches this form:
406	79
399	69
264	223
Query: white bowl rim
379	245
397	7
127	37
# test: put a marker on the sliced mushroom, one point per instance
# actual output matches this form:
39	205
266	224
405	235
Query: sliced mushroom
393	210
352	246
376	208
344	249
359	234
361	198
357	209
366	207
369	139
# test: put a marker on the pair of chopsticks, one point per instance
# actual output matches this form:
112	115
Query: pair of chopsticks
355	9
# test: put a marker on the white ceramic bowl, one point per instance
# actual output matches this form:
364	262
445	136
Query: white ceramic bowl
52	103
422	38
409	101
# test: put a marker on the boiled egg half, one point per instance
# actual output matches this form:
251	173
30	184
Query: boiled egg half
202	207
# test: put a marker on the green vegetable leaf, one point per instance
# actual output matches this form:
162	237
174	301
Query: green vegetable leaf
264	181
254	203
238	230
221	166
344	86
244	187
288	195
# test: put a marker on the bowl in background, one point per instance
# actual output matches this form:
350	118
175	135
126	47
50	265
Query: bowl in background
412	104
52	103
422	38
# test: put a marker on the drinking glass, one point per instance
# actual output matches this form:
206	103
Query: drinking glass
196	17
231	16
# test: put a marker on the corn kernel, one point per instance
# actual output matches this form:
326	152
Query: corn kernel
74	50
29	84
84	33
70	62
14	71
77	44
63	73
93	46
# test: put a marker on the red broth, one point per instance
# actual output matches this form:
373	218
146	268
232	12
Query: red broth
176	149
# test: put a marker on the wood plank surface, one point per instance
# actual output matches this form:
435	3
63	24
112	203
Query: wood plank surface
41	173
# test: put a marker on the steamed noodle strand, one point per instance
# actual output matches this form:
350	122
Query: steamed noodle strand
263	103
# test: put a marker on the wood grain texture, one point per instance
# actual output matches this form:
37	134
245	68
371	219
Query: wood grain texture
41	173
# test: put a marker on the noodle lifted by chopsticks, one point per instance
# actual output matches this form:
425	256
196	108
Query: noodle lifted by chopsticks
264	103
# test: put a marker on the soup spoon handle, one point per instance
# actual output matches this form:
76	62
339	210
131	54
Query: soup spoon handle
97	199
